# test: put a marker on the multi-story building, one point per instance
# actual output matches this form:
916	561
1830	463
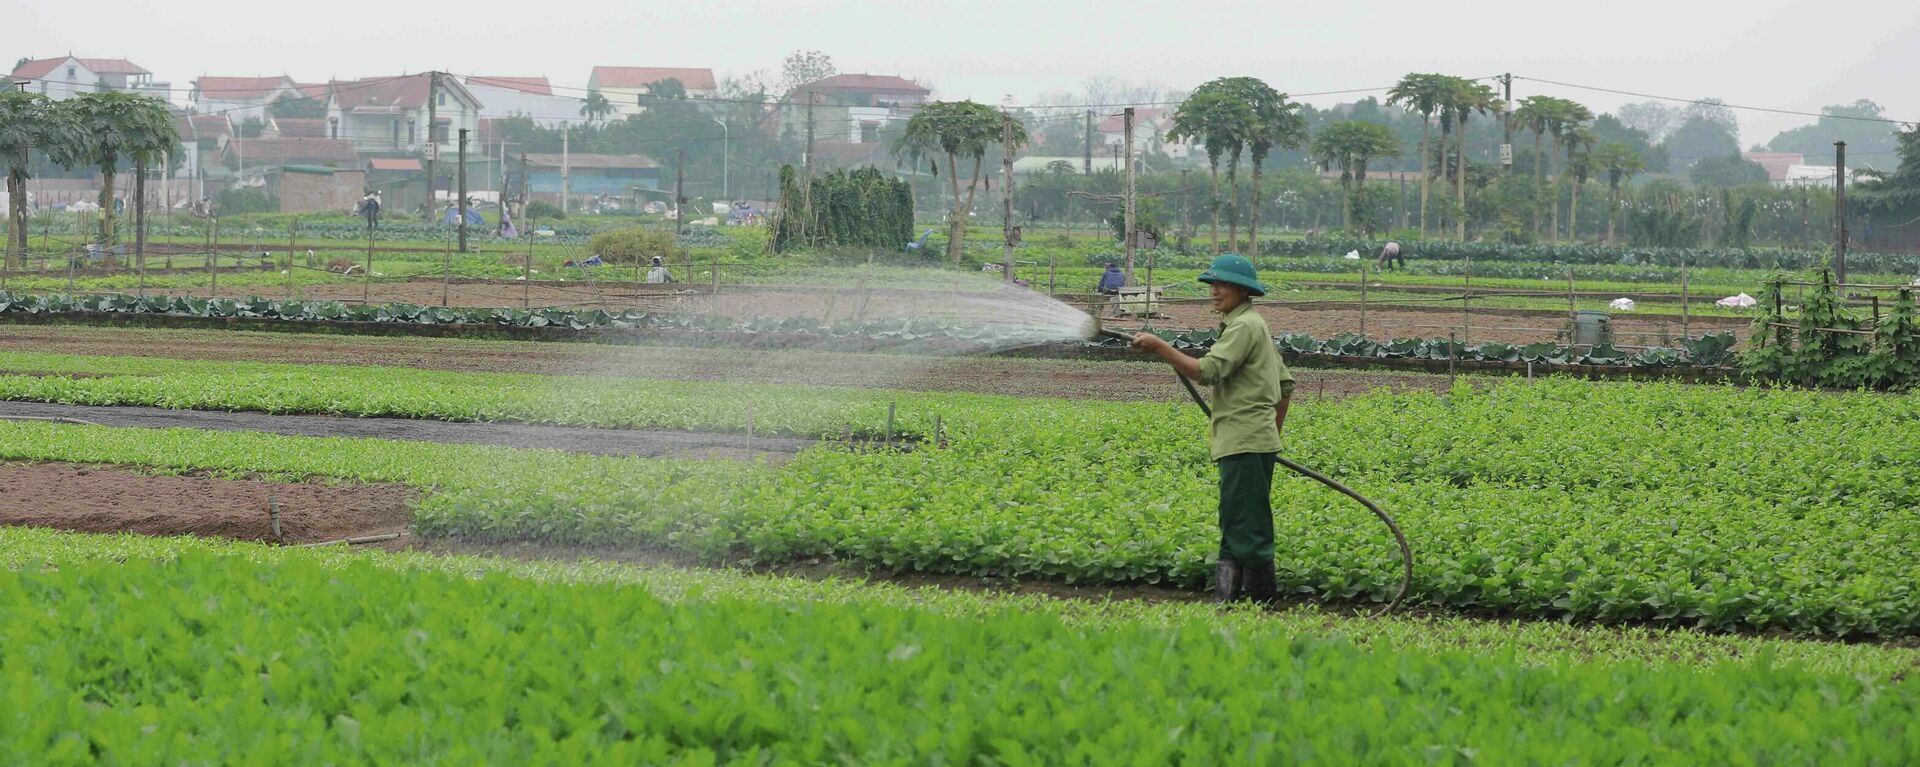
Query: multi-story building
69	76
626	88
389	115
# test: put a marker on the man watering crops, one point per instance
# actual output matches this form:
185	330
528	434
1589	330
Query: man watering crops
1251	390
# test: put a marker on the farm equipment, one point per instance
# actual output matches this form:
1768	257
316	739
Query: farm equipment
1093	332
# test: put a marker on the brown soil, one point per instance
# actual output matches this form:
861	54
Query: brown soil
106	499
986	375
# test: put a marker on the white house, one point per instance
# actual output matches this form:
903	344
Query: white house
1150	127
244	99
388	115
626	87
69	76
530	97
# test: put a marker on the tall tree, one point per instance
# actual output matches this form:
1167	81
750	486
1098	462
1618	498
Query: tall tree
595	107
1277	123
1620	161
28	121
115	123
1218	121
956	129
1535	114
803	67
1579	141
1466	98
1350	145
1421	94
1564	119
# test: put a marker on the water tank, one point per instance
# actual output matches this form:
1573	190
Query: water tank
1591	327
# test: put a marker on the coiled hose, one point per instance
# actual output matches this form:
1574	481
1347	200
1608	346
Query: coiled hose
1406	551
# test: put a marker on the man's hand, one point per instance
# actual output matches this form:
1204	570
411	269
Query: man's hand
1148	342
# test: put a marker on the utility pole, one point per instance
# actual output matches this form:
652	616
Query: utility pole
679	192
1126	205
1008	234
566	175
463	190
1186	204
1506	149
1087	169
433	147
1840	211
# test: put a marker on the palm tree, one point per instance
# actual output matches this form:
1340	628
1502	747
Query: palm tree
1466	97
596	107
1219	121
1564	117
1579	141
1422	95
1277	123
1621	162
956	129
114	123
1350	145
27	121
1535	113
1235	136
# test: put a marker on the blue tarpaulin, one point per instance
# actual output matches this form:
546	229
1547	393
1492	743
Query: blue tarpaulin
453	217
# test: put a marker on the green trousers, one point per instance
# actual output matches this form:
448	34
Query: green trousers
1246	507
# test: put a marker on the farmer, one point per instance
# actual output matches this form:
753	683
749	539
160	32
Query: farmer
1251	390
1388	255
1112	280
658	274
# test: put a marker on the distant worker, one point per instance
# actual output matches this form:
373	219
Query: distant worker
1251	390
1390	254
1112	280
658	275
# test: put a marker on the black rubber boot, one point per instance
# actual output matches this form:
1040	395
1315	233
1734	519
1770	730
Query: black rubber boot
1229	581
1261	585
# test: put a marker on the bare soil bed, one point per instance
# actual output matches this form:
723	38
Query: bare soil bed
983	375
108	499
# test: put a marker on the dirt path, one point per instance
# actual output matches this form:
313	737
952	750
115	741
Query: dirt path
984	375
107	499
648	443
1513	326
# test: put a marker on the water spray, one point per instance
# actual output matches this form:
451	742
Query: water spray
1093	331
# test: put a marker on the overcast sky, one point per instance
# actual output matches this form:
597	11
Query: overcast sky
1773	53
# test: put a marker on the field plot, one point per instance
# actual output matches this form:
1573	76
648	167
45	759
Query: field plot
130	650
1667	504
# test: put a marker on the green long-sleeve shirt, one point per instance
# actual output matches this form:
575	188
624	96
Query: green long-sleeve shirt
1248	379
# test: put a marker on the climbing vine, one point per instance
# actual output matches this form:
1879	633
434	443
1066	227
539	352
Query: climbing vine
861	208
1830	345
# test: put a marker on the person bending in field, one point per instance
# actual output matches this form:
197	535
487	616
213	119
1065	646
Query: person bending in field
1388	255
657	274
1112	280
1251	390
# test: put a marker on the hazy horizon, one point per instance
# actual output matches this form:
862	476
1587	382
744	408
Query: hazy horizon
1762	55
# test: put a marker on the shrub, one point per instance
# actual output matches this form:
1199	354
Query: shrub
541	209
626	246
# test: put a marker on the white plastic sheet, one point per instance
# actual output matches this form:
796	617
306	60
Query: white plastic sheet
1621	304
1741	301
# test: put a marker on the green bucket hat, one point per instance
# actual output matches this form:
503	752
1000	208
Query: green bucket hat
1234	270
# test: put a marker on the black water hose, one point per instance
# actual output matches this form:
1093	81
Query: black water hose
1406	551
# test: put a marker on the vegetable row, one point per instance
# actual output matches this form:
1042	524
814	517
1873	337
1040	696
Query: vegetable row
1678	505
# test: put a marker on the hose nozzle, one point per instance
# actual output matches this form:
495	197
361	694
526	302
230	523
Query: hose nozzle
1094	332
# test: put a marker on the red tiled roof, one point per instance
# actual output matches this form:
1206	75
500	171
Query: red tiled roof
641	77
240	88
1776	163
39	68
191	126
300	127
313	90
534	85
1141	117
114	67
879	83
388	94
393	163
266	151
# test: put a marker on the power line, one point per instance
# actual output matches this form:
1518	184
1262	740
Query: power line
1707	102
